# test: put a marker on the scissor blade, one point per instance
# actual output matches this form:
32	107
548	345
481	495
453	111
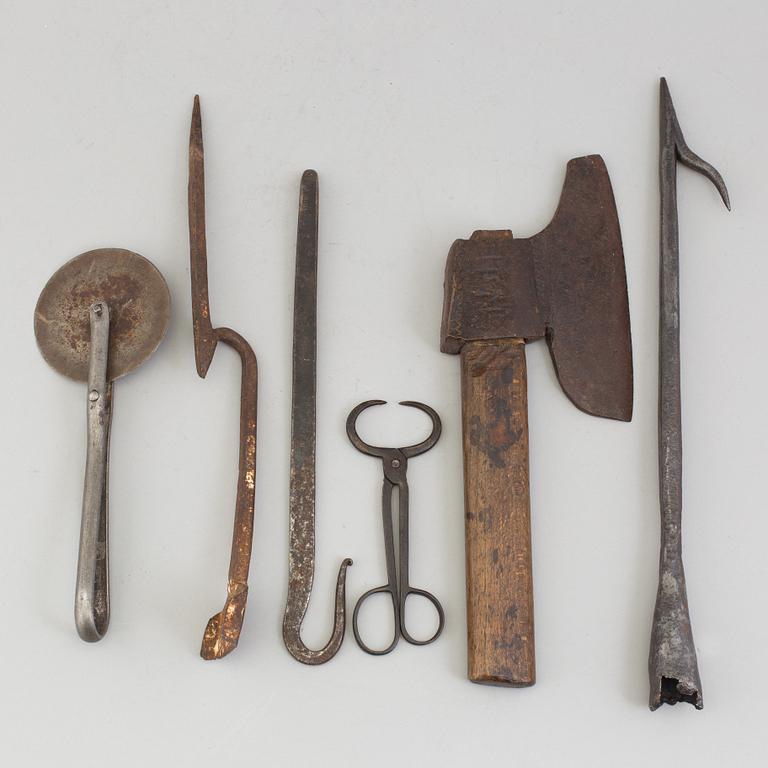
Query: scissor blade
205	344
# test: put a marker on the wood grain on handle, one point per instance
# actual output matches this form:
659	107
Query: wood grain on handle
497	508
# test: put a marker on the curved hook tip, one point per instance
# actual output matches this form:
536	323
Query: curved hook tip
294	615
684	153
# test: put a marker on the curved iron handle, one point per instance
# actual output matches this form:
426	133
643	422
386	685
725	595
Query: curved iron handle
92	587
301	551
223	630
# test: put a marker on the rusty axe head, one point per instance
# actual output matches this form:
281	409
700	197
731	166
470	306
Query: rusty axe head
567	283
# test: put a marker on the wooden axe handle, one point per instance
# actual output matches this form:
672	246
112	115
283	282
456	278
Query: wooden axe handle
498	516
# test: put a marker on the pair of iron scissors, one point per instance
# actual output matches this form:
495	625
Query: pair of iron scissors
398	587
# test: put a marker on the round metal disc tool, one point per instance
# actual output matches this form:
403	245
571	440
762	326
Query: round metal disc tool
139	305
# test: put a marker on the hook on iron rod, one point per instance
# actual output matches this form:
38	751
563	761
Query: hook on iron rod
222	632
301	552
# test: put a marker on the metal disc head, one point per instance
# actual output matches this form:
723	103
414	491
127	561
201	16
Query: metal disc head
139	305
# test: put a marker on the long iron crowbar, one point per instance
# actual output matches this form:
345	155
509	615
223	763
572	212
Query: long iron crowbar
672	665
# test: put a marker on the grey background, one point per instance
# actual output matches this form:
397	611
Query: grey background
425	121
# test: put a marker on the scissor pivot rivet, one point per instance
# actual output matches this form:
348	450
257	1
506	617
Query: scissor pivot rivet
395	463
93	395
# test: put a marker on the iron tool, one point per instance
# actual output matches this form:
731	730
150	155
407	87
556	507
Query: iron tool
398	586
222	632
672	665
301	551
566	284
100	316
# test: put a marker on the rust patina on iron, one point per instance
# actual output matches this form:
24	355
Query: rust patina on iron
566	284
223	630
301	553
673	668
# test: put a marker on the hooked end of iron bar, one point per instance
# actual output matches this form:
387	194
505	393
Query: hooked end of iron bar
295	609
671	131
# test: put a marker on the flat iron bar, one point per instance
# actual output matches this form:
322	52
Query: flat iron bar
673	667
223	630
301	552
92	588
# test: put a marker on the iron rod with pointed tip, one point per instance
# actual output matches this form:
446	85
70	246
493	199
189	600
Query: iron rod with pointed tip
222	632
301	553
673	667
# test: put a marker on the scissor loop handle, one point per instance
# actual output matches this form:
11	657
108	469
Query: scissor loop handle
438	607
384	589
410	450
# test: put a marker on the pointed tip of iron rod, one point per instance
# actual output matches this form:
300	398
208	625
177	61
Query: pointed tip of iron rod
196	128
665	96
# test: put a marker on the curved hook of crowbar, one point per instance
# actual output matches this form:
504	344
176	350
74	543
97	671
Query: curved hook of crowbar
682	151
410	450
223	630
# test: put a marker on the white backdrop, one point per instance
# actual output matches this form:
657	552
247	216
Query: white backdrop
425	121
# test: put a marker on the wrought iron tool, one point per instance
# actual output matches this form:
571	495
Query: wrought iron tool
100	316
398	586
568	285
673	668
301	552
223	630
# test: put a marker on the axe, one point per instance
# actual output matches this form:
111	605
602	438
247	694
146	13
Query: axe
568	285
